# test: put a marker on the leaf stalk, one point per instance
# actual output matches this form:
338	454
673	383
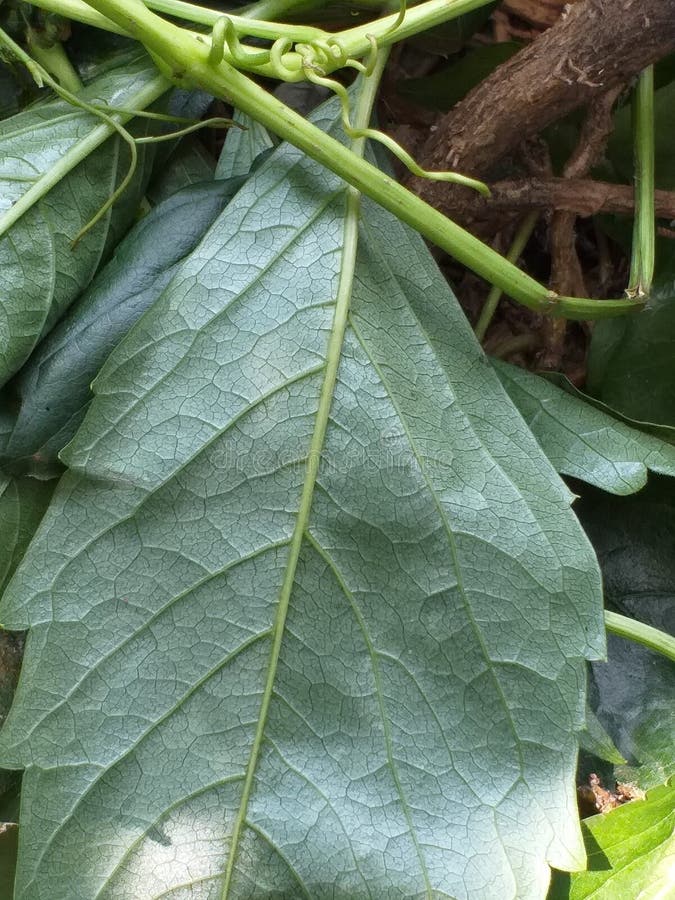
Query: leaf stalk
644	224
656	640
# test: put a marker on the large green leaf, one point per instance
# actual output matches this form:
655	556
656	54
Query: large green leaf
40	272
583	441
631	853
309	612
72	354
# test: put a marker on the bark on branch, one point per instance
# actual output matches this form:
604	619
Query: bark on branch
578	195
597	45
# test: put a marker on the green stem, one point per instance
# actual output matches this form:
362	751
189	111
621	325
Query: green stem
517	343
185	61
276	9
357	42
644	226
79	11
53	58
520	240
640	633
251	26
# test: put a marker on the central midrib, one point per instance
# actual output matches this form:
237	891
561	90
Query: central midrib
333	353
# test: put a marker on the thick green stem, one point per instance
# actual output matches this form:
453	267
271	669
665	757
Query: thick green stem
186	61
644	228
275	9
356	42
640	633
52	57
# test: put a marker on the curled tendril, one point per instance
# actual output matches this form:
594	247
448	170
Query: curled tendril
223	35
315	72
388	142
279	48
369	67
403	8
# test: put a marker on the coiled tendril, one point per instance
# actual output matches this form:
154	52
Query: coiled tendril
317	58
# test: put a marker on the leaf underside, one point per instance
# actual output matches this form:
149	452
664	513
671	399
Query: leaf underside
40	272
583	441
419	738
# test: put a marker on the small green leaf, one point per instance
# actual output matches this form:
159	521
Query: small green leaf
40	272
188	164
630	364
594	739
242	147
631	853
581	440
665	432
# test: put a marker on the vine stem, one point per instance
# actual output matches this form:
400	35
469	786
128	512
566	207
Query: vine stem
521	238
357	42
644	226
186	61
636	631
52	57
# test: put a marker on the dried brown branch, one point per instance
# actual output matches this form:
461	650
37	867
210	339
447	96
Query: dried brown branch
595	46
578	195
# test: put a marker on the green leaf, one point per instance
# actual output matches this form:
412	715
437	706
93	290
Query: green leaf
72	354
583	441
22	505
242	147
632	693
309	611
40	272
188	164
630	364
631	852
23	502
620	144
665	432
594	739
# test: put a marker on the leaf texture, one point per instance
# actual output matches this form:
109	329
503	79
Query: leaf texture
227	704
40	272
583	441
74	351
